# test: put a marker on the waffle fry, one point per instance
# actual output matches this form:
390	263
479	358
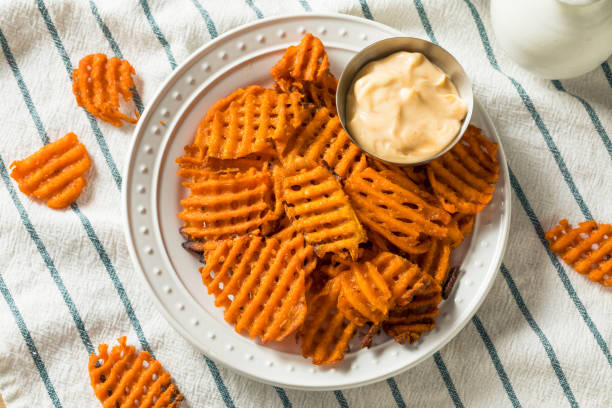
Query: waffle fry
325	333
305	68
194	165
307	61
55	172
403	177
322	93
407	323
397	214
364	296
318	208
464	178
459	228
97	83
249	124
323	140
587	248
300	231
436	261
287	234
229	203
261	284
401	275
125	379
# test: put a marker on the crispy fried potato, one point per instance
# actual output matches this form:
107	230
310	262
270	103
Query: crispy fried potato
318	207
323	140
436	261
305	68
404	177
325	333
401	275
464	178
407	323
587	248
288	233
248	122
397	214
125	379
364	296
194	165
97	83
55	172
261	284
228	203
459	228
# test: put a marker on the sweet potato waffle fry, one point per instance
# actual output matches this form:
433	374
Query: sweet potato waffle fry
228	203
436	261
305	68
125	379
195	165
459	228
301	232
97	83
587	248
407	323
405	178
249	124
318	208
464	178
326	333
261	284
364	296
323	140
54	173
401	276
399	215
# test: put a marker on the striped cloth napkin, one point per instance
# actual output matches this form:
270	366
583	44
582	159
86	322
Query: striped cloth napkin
541	338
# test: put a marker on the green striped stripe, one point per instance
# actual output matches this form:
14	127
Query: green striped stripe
253	7
365	9
425	21
499	367
305	5
550	352
283	397
592	114
525	203
552	147
42	250
27	337
607	72
535	222
158	34
210	25
397	395
68	65
450	385
84	220
341	400
219	382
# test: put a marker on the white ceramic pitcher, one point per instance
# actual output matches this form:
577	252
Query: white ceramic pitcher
554	39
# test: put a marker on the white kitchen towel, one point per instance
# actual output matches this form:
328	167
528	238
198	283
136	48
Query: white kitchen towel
541	338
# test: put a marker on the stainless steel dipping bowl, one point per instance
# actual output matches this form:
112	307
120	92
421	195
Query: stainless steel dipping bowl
436	54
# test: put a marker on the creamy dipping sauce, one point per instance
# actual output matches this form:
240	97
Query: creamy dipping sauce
403	108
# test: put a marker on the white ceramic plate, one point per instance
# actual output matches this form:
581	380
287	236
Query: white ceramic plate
152	190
